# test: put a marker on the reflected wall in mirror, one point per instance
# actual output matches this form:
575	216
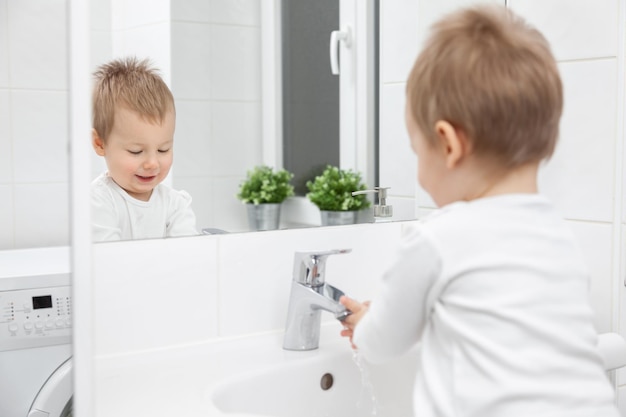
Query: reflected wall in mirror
212	54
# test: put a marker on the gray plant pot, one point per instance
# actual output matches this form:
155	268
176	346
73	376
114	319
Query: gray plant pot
337	218
263	216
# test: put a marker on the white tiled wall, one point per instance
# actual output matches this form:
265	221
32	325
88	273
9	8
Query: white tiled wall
220	286
33	124
585	154
175	303
596	240
4	44
585	176
101	43
141	28
216	79
576	29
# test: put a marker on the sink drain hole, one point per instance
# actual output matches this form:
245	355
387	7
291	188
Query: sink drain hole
327	381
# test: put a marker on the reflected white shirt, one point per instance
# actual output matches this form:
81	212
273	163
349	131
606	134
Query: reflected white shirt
118	216
497	293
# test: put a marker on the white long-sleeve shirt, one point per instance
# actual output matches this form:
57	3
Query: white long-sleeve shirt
118	216
497	292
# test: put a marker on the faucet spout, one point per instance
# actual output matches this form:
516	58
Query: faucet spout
302	331
327	298
310	295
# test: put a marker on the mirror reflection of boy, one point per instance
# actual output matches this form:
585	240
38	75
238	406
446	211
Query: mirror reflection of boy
493	285
133	130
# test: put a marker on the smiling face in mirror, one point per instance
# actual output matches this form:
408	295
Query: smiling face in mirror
138	152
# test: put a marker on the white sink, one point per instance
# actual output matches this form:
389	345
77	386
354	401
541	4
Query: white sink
333	382
254	376
296	386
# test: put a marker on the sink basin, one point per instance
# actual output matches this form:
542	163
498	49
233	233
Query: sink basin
254	376
336	383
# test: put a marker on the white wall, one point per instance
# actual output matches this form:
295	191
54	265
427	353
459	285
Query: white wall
33	124
142	28
585	178
190	290
216	79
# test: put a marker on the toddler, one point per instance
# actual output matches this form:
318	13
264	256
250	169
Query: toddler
133	129
492	285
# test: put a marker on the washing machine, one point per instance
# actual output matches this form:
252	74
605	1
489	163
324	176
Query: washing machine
35	333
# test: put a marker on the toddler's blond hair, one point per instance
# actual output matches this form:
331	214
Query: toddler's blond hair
131	83
491	75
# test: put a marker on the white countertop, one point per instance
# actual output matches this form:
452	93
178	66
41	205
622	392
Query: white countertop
34	261
34	268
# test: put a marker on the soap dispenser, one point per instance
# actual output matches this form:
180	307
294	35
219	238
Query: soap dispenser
382	212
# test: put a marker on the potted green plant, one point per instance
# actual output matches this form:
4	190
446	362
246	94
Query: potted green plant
331	192
263	192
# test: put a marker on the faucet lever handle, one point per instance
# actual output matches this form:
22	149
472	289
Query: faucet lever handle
309	267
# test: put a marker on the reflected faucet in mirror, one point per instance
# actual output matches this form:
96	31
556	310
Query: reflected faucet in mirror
310	295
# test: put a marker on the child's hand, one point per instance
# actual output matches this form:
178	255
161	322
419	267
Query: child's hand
358	311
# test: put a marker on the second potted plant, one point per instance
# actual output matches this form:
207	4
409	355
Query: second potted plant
332	191
263	191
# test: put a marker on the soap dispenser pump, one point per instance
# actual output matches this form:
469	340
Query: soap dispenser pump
382	212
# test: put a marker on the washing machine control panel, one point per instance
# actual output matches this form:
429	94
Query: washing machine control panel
35	317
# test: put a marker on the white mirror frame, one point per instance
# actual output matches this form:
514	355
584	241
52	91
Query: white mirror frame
80	219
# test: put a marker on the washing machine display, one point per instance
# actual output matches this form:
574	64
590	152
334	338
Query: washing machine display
44	301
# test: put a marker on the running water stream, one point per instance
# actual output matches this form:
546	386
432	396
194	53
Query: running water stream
367	403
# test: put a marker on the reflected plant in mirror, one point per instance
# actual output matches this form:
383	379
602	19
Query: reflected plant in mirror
263	192
332	192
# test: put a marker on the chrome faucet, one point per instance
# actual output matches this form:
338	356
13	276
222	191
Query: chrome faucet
309	296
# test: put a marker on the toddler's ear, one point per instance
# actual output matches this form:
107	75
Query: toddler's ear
454	142
97	142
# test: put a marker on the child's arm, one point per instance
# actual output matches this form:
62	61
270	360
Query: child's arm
396	318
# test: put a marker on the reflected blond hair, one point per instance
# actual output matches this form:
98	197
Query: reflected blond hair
130	83
489	74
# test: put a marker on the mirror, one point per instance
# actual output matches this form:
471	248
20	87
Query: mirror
218	57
